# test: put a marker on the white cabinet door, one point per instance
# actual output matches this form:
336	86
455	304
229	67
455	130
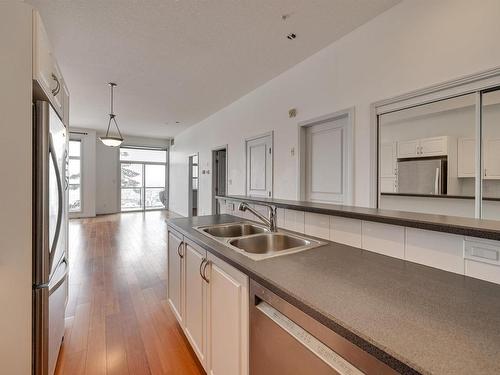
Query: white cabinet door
195	293
46	72
435	146
466	157
492	158
260	166
228	319
388	159
408	149
175	274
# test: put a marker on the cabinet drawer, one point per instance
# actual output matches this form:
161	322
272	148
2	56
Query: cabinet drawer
482	251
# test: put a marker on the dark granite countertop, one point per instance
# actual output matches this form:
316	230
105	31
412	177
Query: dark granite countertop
414	318
489	229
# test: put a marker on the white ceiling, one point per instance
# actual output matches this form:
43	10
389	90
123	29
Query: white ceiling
184	60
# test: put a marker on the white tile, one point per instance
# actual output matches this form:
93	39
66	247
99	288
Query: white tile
281	217
345	230
294	220
383	239
317	225
434	249
483	271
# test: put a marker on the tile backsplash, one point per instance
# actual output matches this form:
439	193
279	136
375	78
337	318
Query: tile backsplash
449	252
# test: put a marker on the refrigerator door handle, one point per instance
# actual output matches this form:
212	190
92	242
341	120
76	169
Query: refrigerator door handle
60	202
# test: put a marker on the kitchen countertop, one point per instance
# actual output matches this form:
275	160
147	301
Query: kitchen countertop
481	228
414	318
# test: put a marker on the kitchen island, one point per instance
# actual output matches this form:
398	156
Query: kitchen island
413	318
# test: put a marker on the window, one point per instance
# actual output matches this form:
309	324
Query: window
143	178
75	176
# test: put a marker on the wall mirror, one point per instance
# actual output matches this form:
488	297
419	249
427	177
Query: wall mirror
428	160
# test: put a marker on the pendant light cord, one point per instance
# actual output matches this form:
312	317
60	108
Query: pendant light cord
111	114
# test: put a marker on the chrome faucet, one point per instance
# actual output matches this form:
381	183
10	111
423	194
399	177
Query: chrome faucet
270	222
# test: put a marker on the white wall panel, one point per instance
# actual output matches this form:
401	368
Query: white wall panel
384	239
317	225
294	220
440	250
345	230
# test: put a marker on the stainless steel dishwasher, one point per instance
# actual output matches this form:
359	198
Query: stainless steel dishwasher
284	340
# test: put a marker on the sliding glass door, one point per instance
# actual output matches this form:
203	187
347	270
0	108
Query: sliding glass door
143	179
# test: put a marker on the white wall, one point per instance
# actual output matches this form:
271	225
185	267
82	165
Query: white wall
107	179
15	189
413	45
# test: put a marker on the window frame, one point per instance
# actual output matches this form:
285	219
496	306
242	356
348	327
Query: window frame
143	186
80	159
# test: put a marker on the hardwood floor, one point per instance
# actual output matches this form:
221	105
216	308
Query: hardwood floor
118	320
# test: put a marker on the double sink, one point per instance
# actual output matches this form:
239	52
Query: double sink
256	241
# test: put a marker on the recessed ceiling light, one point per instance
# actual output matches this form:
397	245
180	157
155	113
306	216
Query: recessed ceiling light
291	36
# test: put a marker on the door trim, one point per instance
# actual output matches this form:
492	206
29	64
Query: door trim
301	160
215	149
190	185
262	135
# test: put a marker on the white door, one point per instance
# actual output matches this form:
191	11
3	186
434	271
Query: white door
408	149
259	154
175	272
227	319
388	159
195	301
435	146
492	158
326	161
466	157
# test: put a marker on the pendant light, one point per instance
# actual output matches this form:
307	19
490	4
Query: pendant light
107	139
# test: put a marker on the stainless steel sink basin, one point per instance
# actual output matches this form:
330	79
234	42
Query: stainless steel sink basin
269	243
234	230
256	241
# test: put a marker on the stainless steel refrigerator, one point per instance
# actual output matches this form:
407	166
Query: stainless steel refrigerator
50	246
422	176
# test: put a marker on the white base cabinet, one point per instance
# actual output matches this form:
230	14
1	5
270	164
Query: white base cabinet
195	306
175	273
227	319
209	299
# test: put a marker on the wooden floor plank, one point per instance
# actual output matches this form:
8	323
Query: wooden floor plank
118	320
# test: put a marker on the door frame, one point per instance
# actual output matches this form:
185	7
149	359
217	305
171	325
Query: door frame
301	160
190	186
262	135
214	179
